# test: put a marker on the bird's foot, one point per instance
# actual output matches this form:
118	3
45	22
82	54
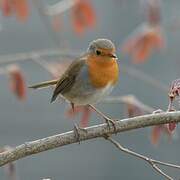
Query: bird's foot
78	131
157	111
108	120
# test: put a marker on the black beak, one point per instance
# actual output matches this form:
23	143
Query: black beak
113	56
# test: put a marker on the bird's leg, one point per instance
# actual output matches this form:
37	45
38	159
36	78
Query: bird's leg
77	129
72	105
107	119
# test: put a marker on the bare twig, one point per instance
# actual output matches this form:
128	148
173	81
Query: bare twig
59	7
152	162
100	130
129	99
39	60
26	56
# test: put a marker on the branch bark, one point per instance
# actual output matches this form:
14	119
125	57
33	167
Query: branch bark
101	130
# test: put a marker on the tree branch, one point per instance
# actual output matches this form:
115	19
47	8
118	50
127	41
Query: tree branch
153	163
100	130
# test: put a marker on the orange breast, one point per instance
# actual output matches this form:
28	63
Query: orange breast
102	71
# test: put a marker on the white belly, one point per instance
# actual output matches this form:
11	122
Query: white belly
89	97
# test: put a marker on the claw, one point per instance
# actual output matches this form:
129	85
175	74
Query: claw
172	109
77	132
107	119
158	111
112	122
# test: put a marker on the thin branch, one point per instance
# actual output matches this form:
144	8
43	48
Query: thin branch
26	56
59	7
40	61
152	162
129	99
100	130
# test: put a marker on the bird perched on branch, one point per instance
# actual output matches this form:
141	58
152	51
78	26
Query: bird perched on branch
90	78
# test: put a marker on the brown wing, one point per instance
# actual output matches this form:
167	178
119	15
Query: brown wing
67	80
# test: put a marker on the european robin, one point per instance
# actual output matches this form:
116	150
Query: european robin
90	78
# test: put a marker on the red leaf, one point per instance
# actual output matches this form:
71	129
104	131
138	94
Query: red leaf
6	7
141	44
83	16
21	8
157	131
155	134
17	82
18	7
133	110
142	52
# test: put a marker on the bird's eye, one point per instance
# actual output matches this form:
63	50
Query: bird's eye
98	52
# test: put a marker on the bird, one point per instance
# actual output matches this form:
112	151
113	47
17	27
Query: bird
88	79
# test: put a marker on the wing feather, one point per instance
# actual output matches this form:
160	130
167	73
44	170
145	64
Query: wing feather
68	78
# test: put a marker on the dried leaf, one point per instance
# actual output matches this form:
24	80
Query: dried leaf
6	7
83	16
18	7
141	44
133	110
156	132
17	82
21	8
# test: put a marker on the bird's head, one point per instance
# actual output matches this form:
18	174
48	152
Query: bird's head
102	50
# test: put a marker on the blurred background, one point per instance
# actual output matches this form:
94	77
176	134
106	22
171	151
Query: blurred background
36	118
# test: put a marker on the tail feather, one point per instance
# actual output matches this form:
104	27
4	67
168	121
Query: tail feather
44	84
53	98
